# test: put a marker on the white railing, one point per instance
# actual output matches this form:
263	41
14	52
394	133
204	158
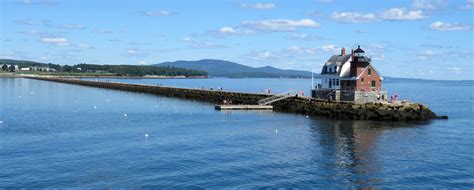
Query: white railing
277	97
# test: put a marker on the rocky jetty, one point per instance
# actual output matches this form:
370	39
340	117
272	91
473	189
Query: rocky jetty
303	105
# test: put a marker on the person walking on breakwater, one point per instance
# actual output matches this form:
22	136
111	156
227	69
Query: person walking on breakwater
268	91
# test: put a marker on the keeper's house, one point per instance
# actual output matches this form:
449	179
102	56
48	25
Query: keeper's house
350	77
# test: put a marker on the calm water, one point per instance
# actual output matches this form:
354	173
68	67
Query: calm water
61	136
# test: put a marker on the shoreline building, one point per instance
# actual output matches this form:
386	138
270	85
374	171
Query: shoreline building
350	77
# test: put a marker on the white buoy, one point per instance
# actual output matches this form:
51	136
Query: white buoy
1	122
95	107
31	92
307	116
125	115
19	96
276	130
146	135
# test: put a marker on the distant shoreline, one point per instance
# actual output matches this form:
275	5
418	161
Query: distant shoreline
14	75
107	76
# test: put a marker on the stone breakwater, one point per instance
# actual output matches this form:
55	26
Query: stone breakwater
301	105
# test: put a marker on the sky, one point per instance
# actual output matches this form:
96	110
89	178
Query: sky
429	39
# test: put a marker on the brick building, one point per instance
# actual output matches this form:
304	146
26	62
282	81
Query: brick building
350	77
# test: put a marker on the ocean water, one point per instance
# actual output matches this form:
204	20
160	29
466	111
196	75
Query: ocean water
55	135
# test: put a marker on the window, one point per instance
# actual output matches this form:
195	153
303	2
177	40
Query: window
373	84
330	69
369	72
337	82
362	80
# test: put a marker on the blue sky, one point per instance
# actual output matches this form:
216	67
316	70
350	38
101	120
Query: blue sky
412	38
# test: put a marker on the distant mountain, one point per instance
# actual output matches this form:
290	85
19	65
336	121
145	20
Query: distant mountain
221	68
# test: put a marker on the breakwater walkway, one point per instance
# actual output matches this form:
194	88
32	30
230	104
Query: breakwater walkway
301	105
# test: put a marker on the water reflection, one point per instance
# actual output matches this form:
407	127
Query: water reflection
352	146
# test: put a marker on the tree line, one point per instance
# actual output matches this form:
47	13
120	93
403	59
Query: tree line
119	70
136	70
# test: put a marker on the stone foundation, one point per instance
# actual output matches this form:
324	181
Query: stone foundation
355	96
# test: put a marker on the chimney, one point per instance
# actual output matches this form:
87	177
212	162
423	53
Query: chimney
352	55
343	51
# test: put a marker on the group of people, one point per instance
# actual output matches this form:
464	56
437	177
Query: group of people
394	97
220	88
227	102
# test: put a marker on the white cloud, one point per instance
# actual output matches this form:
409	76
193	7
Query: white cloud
85	46
469	5
258	5
301	36
427	55
442	26
329	48
281	25
187	39
379	57
157	13
428	4
55	41
107	31
32	22
353	17
134	52
142	62
39	2
227	31
73	26
456	70
402	14
30	32
263	56
201	44
298	50
390	14
206	45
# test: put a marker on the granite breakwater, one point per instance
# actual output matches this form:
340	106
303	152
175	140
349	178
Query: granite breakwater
381	111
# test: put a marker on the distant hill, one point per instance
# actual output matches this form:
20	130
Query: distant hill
21	63
221	68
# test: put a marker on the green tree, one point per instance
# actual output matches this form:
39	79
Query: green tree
67	68
4	67
12	68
